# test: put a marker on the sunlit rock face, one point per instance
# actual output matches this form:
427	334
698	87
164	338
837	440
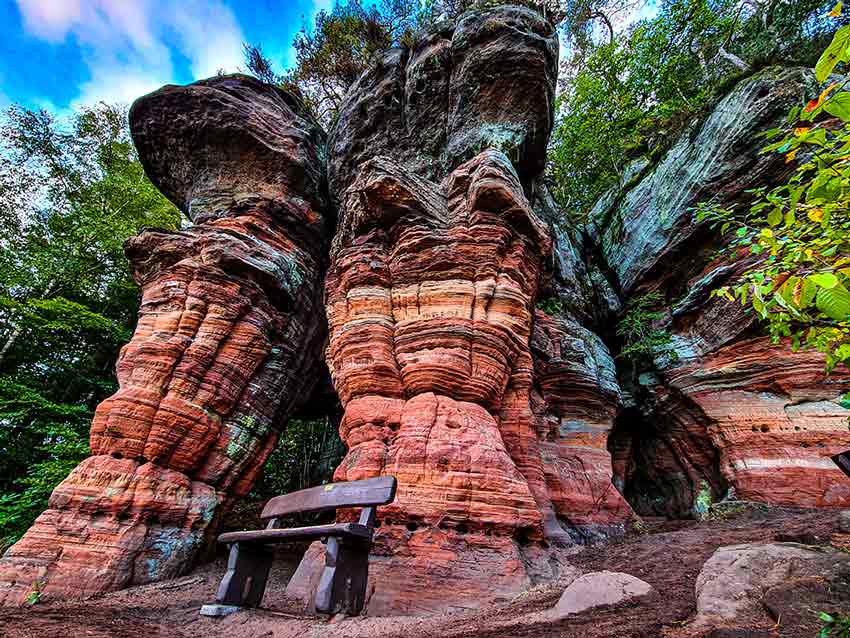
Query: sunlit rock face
733	413
429	301
430	296
228	342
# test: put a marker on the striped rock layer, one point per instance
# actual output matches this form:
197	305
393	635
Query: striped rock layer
229	335
430	305
730	415
444	235
473	341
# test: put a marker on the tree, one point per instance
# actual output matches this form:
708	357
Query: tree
631	95
798	233
331	53
70	194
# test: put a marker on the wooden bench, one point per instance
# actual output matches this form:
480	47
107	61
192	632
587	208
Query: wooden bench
342	587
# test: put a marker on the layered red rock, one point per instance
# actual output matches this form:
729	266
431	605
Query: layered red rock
578	399
228	342
730	414
430	299
775	420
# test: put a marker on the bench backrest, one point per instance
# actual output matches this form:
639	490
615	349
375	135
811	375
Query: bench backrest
366	493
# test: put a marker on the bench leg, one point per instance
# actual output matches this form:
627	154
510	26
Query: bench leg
247	571
342	587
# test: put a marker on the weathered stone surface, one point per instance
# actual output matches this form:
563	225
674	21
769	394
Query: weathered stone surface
844	522
643	231
733	583
429	300
731	410
774	419
578	400
487	81
228	341
576	396
598	588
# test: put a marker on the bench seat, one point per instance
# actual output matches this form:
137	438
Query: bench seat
341	587
264	536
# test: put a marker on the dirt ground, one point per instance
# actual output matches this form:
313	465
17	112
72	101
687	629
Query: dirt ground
666	554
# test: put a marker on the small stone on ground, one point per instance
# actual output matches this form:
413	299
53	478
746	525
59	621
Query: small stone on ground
219	610
599	588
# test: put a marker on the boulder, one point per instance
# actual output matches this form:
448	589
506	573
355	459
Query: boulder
734	583
598	588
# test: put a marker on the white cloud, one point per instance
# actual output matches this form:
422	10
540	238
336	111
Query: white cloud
209	36
126	44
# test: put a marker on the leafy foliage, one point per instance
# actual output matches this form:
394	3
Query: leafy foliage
307	454
642	340
70	194
343	42
834	625
633	93
550	305
798	233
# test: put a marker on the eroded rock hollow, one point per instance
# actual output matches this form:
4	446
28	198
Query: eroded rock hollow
729	413
230	331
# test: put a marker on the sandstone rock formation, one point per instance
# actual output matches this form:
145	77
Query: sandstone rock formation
472	339
228	342
430	300
577	395
732	411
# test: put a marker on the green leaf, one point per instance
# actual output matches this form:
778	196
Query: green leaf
824	279
774	217
834	303
808	290
793	114
788	288
836	52
839	106
790	218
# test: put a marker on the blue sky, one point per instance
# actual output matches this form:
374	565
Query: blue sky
60	54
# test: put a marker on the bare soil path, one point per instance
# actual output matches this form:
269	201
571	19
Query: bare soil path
668	555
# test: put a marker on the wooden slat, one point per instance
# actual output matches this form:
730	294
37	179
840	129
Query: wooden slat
369	492
296	533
